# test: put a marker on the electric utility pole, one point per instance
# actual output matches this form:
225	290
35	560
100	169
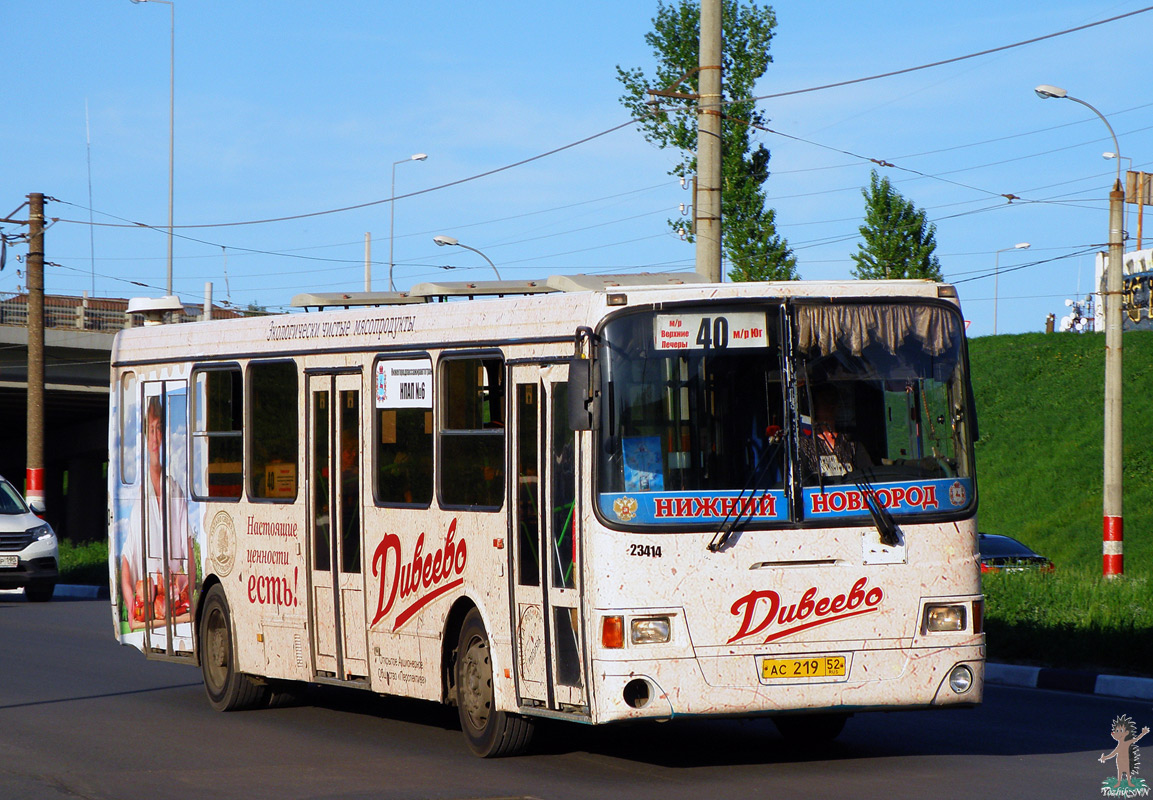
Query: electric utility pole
34	458
709	111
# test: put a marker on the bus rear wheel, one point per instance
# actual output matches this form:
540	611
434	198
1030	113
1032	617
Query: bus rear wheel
227	689
489	733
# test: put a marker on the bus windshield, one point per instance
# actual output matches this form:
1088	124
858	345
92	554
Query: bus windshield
694	409
696	424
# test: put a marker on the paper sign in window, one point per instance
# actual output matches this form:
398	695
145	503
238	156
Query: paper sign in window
404	384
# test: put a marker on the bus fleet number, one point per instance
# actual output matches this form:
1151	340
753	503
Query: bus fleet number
645	550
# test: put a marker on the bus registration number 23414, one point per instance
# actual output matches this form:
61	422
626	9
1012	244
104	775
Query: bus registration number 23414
818	667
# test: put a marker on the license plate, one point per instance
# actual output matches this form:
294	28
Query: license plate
816	667
9	561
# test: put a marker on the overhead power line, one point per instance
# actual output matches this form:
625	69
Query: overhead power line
370	203
630	122
943	62
1030	264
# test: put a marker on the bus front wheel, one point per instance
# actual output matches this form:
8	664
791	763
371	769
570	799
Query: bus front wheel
227	689
489	733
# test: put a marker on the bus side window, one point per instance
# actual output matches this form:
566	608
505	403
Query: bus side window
273	436
472	432
217	412
129	425
403	442
563	492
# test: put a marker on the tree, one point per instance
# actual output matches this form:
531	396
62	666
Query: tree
749	239
899	239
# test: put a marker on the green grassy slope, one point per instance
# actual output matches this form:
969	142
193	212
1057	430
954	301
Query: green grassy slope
1040	400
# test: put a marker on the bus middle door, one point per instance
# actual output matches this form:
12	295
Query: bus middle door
545	554
334	531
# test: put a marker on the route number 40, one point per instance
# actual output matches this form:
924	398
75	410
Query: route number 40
713	333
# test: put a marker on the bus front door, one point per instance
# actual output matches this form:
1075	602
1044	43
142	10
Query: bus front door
545	552
337	581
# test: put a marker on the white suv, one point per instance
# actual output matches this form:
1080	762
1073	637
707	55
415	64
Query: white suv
29	556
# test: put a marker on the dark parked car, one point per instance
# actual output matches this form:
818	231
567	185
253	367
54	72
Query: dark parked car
1006	554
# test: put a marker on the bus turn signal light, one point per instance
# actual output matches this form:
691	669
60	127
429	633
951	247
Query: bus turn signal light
613	632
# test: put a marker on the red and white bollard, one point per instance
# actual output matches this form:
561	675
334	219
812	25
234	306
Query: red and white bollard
1113	546
34	483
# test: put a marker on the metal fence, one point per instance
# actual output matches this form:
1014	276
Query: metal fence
85	313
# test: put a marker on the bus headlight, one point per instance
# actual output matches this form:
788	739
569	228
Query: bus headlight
944	618
649	630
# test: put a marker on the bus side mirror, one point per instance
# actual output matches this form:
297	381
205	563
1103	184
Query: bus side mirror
581	403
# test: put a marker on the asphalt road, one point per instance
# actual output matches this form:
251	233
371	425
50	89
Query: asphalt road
82	717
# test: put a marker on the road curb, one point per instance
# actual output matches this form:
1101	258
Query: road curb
1069	680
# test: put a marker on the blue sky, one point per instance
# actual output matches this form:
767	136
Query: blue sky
290	108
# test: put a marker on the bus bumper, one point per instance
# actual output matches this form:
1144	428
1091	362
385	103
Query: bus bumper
731	685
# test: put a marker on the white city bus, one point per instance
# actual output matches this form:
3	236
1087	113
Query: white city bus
592	499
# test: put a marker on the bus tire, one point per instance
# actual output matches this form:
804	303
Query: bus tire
227	689
810	729
489	733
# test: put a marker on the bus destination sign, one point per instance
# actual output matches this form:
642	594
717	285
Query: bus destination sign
736	329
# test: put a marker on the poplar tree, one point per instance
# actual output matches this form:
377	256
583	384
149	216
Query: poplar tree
749	239
899	241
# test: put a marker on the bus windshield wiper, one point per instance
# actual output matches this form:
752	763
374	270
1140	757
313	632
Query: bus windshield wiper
882	519
731	520
886	525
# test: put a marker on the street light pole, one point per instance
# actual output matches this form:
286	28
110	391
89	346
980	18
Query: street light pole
1113	528
392	212
171	123
997	274
448	240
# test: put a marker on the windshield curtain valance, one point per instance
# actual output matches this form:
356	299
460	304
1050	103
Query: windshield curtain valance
825	328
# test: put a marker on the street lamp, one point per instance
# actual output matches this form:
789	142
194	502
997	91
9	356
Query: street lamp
448	240
171	122
392	211
1113	528
997	273
1045	91
1114	155
1119	157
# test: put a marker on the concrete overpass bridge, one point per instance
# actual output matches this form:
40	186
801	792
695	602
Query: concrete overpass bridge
77	347
78	334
